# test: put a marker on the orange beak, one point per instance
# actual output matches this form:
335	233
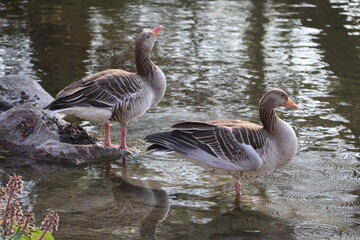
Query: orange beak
290	104
156	31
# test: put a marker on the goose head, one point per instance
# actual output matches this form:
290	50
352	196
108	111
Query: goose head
276	98
145	40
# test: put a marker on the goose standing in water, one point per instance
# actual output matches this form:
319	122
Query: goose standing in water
114	94
238	148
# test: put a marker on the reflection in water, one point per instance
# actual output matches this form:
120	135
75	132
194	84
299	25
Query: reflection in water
343	61
107	208
15	44
254	37
139	204
59	22
242	224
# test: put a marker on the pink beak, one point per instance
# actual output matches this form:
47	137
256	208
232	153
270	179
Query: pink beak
290	104
156	31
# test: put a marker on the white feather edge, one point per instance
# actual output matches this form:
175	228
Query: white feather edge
92	114
209	162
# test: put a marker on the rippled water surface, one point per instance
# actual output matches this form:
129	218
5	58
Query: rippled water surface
219	57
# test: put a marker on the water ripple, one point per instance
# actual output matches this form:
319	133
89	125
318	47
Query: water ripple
312	230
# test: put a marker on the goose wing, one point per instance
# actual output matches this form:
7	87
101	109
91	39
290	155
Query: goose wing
104	90
229	141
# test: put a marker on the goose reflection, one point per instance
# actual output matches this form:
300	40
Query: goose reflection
140	203
106	207
242	224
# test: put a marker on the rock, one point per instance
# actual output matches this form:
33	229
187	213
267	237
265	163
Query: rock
17	89
32	134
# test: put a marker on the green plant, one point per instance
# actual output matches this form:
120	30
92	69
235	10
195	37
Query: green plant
2	151
14	224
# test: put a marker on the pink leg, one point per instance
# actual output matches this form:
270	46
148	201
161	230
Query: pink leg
123	144
107	136
237	186
123	138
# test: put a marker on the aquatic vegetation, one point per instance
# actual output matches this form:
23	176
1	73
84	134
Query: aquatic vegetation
14	223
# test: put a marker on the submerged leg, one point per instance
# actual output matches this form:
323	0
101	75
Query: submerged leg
107	136
237	186
124	167
108	168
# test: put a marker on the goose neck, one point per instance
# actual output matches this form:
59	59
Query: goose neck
144	65
268	117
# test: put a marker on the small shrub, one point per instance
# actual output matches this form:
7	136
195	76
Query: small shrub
14	224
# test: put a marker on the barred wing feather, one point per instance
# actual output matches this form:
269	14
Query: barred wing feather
224	144
104	89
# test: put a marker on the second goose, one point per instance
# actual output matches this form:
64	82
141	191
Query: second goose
238	148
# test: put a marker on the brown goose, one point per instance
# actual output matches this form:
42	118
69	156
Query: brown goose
114	94
238	148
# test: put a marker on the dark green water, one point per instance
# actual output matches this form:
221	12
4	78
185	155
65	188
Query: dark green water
219	57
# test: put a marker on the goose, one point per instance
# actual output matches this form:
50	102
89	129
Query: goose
238	148
114	94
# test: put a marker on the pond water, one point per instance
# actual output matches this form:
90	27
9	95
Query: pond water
219	57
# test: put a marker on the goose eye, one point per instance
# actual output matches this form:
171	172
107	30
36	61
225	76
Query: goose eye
148	36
